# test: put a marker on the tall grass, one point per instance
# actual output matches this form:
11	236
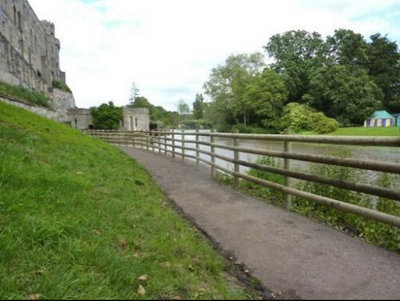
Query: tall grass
24	95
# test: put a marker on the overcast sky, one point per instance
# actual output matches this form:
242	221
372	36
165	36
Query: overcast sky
168	47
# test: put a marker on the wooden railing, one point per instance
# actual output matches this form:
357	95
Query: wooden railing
166	143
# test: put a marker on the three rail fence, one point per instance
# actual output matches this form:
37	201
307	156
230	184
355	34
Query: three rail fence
167	143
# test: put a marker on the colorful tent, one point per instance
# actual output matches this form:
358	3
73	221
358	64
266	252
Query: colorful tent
380	119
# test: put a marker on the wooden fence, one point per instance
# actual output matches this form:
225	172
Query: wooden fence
166	143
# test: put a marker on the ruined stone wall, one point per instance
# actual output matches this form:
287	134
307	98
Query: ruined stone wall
29	50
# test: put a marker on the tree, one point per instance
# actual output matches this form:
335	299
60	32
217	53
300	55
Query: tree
296	54
183	108
347	48
384	68
107	116
266	94
198	107
134	93
346	93
227	83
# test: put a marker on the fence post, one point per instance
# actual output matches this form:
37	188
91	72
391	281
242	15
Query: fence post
236	157
165	144
147	141
212	154
183	146
173	143
197	146
287	149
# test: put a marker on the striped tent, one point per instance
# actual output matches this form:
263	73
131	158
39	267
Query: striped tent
380	119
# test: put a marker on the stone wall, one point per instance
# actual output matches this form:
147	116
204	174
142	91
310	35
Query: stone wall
29	50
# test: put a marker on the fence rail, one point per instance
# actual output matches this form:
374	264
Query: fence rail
166	142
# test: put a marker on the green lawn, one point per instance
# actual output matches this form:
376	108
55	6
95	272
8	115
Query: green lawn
79	219
361	131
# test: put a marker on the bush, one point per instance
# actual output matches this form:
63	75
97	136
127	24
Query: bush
321	124
24	95
61	86
303	118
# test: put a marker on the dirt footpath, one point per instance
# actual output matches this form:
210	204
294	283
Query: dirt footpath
286	252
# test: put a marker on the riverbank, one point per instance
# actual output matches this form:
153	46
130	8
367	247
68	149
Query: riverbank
81	220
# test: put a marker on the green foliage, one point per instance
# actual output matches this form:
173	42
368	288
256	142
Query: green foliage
183	108
198	107
107	116
227	85
321	124
296	53
81	220
346	93
384	69
261	191
300	118
266	93
61	86
24	95
375	232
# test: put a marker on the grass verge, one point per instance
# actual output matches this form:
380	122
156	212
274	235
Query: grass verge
24	95
79	219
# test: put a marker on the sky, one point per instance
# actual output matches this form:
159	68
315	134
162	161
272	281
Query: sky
168	47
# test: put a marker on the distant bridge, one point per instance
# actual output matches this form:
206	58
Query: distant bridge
291	255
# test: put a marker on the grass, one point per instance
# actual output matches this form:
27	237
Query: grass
361	131
24	95
61	86
79	219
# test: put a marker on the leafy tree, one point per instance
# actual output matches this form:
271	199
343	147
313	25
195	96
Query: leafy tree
107	116
183	108
198	107
296	53
266	95
347	48
344	92
227	83
384	68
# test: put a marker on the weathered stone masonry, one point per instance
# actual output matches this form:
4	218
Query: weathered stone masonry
29	50
29	57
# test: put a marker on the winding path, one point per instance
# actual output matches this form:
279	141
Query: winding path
289	254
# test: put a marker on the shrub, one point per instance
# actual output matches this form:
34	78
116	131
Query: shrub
321	124
61	86
303	118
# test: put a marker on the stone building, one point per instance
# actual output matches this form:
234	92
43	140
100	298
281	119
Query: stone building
133	119
137	119
29	50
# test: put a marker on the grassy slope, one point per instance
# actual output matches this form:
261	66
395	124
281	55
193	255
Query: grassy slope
81	220
361	131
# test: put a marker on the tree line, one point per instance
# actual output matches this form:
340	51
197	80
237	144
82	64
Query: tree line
312	81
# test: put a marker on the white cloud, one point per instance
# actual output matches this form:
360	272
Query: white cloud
169	47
